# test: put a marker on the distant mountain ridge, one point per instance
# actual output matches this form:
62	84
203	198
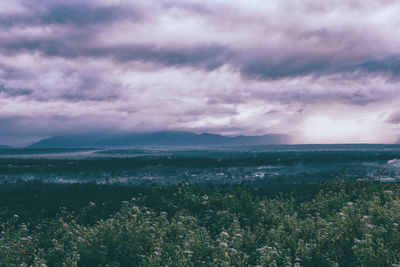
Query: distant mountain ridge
161	138
5	147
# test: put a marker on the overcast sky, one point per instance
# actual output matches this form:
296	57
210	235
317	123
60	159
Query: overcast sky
320	71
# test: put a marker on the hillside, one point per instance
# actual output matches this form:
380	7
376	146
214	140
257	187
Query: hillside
163	138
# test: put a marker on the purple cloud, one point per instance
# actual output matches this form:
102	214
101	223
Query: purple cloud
217	66
394	117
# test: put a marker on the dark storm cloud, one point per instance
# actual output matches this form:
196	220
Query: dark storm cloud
51	47
84	85
389	65
394	118
11	92
270	67
81	16
10	73
358	98
365	98
267	67
51	125
90	88
78	14
208	56
259	62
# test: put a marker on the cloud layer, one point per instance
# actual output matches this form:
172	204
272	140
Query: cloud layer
320	72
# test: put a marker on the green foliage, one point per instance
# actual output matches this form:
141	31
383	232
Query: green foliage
332	224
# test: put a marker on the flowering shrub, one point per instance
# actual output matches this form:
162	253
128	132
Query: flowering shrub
333	224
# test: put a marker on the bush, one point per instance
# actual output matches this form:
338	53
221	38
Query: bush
333	224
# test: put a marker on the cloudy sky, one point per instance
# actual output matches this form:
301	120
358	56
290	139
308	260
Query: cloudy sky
320	71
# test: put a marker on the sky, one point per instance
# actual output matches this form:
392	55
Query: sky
319	71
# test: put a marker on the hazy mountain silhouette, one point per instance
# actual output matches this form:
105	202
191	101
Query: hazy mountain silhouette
5	147
162	138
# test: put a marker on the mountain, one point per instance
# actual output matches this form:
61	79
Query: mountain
162	138
5	147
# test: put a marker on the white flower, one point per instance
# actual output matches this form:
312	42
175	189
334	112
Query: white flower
225	234
350	203
265	247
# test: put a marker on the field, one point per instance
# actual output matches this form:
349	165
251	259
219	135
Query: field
206	208
270	165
